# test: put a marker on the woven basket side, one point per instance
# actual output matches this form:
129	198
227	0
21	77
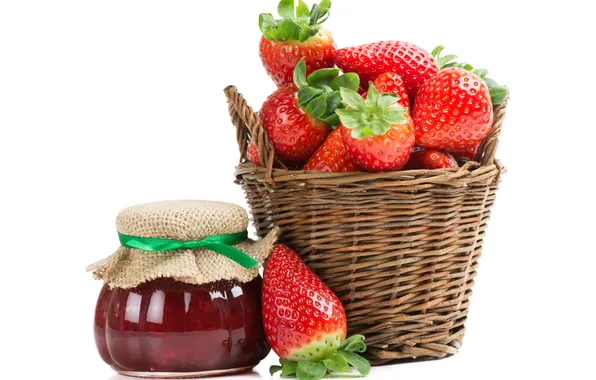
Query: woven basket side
488	147
402	263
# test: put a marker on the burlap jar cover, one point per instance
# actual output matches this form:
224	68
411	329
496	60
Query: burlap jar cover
206	226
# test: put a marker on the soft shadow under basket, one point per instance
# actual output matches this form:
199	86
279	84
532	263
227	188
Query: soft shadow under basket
400	249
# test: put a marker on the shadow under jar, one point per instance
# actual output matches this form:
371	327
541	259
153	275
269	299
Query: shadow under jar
167	328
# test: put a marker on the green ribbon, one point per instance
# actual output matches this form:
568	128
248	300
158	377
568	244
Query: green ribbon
222	244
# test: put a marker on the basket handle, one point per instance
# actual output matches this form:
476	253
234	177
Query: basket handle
248	126
488	147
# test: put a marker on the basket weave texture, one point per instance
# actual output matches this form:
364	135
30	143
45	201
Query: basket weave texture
400	249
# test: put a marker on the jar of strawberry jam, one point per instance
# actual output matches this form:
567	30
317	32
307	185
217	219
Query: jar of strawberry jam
182	295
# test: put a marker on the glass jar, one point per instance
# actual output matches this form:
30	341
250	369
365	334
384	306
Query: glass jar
167	328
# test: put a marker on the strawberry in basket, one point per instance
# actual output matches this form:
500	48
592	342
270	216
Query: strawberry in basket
253	153
422	158
305	323
332	156
297	35
297	116
391	83
412	63
453	109
464	156
377	131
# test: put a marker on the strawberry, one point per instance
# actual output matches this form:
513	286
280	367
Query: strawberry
452	111
305	323
412	63
378	133
332	156
297	35
296	117
391	83
294	133
498	93
466	155
422	158
253	153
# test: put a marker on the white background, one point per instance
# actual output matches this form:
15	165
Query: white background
105	104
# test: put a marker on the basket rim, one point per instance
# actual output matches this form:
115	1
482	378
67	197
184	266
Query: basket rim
456	177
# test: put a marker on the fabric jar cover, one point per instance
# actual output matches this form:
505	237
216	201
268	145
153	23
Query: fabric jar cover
186	220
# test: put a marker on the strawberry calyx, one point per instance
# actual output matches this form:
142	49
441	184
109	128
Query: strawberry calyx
296	23
498	93
319	93
461	161
372	116
341	361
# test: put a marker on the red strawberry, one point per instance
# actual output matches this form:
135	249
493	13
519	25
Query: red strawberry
332	156
297	35
467	155
422	158
412	63
391	83
452	111
294	133
378	134
498	93
303	318
253	153
305	323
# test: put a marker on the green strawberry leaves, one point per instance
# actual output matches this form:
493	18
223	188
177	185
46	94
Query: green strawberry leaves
285	8
288	28
350	118
297	23
300	74
355	343
322	76
371	117
442	61
317	107
310	370
288	368
362	365
498	93
353	100
302	10
274	369
306	94
339	362
348	80
319	93
268	26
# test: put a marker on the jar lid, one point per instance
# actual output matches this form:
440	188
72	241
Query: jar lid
182	220
196	242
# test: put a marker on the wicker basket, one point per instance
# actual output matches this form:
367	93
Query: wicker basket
400	249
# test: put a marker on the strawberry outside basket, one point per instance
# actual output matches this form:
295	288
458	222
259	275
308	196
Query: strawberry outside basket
400	249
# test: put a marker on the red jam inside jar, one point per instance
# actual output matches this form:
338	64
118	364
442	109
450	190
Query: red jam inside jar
169	327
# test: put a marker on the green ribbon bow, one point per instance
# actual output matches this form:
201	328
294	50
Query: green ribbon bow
222	244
